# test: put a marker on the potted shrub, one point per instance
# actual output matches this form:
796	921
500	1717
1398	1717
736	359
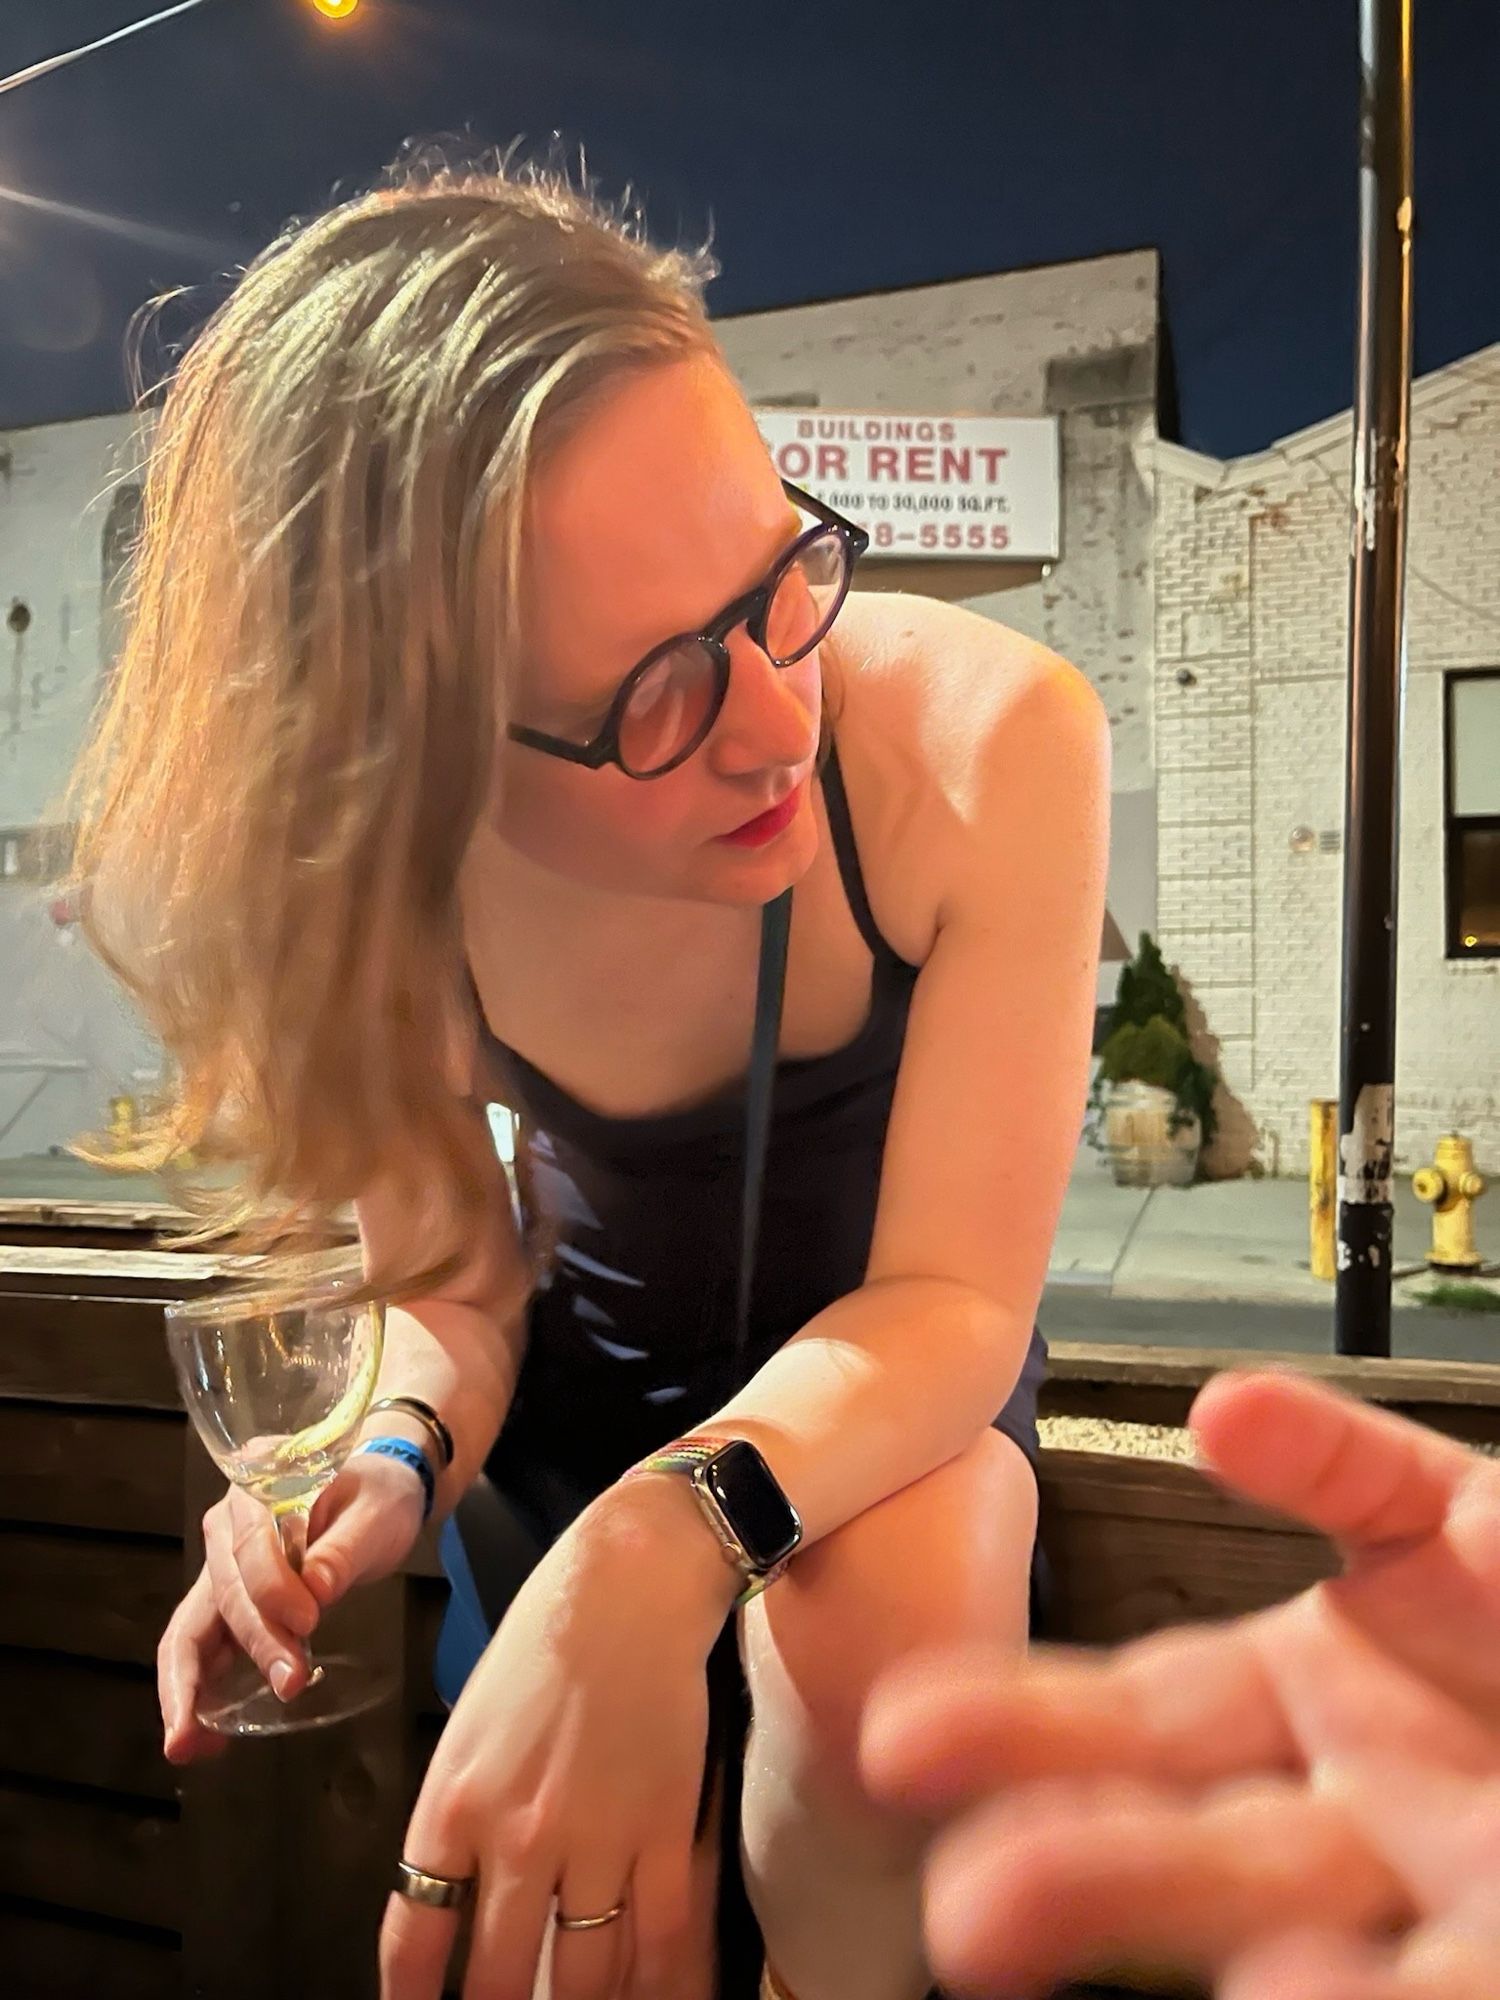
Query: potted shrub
1152	1109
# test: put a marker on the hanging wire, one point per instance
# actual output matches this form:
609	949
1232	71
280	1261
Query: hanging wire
50	63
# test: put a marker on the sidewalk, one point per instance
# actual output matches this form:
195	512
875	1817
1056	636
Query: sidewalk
1244	1242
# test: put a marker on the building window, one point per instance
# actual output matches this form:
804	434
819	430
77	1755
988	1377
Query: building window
1472	813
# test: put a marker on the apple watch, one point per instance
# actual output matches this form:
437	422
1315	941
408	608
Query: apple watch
756	1525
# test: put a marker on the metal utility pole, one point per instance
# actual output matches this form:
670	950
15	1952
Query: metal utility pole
1377	663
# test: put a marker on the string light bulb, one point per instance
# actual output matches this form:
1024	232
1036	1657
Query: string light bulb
336	10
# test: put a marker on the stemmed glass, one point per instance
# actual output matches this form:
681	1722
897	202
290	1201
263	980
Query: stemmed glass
278	1396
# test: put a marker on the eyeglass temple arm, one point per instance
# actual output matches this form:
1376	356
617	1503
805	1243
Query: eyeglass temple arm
812	505
591	754
829	517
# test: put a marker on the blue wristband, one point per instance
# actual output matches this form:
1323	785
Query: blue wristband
409	1454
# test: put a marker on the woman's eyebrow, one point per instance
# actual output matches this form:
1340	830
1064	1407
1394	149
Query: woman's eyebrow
589	708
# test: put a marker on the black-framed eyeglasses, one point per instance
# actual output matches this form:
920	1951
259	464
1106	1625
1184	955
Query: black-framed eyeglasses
667	704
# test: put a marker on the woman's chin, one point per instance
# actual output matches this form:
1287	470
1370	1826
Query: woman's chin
760	874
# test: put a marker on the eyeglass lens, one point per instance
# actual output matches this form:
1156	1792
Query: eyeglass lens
671	707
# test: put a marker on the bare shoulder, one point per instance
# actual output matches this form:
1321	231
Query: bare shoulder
953	730
954	678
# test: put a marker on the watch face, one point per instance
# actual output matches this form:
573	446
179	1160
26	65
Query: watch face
754	1504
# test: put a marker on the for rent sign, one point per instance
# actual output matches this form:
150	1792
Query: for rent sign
928	486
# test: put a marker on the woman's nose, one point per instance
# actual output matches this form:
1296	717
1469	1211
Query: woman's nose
770	714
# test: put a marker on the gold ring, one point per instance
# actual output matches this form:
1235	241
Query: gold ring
589	1923
437	1892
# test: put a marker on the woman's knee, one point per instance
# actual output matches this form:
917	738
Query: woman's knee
944	1562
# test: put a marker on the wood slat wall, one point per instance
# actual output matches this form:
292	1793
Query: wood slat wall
265	1870
52	1957
1136	1545
91	1486
85	1850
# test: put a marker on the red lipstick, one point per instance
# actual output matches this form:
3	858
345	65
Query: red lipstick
765	826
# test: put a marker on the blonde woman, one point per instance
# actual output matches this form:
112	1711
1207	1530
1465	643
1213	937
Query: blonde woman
482	690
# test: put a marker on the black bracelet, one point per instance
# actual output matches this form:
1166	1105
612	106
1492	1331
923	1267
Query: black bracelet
425	1415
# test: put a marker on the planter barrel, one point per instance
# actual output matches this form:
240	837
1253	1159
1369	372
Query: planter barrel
1139	1140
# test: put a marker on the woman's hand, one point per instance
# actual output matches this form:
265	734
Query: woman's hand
1170	1804
247	1596
572	1765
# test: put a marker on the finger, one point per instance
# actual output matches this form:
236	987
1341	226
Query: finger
1452	1960
1358	1474
416	1941
1319	1967
1181	1707
274	1588
357	1538
1314	1966
1072	1879
195	1646
1474	1525
590	1965
277	1652
415	1945
1439	1830
671	1936
506	1951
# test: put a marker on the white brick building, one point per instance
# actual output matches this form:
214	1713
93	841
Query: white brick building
1252	587
1208	603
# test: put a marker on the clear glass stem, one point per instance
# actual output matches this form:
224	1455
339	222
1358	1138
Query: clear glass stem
291	1528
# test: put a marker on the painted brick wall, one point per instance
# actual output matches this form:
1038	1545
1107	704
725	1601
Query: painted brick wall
1252	579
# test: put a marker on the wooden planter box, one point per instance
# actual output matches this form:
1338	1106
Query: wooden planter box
265	1871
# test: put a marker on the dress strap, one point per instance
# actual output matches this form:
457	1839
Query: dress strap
846	848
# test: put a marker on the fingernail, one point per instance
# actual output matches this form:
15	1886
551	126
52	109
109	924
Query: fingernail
281	1678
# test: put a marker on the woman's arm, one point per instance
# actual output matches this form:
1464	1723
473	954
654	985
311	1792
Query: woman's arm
459	1349
900	1376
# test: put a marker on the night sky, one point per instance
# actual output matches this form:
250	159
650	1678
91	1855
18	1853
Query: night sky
831	148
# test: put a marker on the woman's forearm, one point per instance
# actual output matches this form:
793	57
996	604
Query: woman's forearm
880	1389
454	1357
884	1386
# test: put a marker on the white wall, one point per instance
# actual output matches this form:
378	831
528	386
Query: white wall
67	1043
1252	570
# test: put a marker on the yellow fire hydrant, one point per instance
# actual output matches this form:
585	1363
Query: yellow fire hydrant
1453	1186
121	1123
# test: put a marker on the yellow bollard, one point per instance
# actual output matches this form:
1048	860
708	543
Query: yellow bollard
1322	1183
1452	1186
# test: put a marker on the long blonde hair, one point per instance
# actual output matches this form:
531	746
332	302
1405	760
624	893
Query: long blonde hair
300	733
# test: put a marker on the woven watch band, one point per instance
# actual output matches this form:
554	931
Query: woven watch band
684	1456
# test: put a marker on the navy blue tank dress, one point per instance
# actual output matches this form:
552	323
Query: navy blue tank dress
633	1323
